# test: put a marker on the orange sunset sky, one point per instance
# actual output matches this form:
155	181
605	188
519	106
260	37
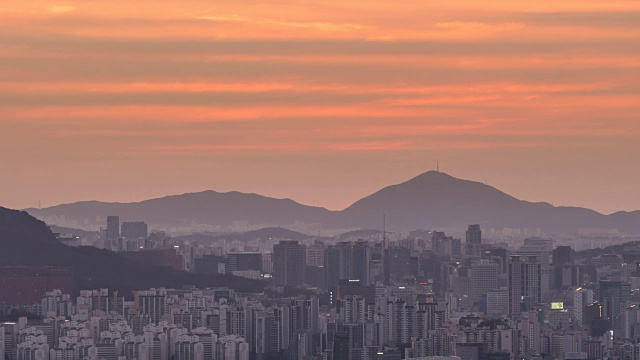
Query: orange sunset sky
323	102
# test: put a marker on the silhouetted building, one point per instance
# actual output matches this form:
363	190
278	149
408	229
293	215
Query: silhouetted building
341	346
289	263
355	288
599	327
157	240
474	240
397	264
495	253
337	263
113	227
484	277
474	234
388	354
346	261
243	261
437	243
314	276
525	282
499	356
565	276
471	351
210	264
610	293
360	256
563	255
134	230
161	257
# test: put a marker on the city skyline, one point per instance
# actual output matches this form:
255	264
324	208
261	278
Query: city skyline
110	102
319	180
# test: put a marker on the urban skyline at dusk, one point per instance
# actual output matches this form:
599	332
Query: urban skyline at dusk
319	180
322	103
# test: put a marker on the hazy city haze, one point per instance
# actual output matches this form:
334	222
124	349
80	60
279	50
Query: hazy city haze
328	180
323	103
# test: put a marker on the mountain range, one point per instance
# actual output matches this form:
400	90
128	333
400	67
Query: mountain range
432	200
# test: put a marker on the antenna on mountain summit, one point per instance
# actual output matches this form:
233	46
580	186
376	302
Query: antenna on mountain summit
437	166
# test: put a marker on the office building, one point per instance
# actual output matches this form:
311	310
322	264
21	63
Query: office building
563	255
243	261
474	240
347	261
134	230
610	295
497	302
525	283
397	264
289	260
113	227
484	277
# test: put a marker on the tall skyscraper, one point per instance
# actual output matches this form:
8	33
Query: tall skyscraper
347	261
113	227
360	256
474	240
563	255
525	282
397	264
474	234
289	260
437	242
610	294
341	346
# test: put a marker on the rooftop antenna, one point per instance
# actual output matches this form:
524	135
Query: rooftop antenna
384	231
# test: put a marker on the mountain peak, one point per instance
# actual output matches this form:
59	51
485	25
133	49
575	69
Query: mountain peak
434	174
430	200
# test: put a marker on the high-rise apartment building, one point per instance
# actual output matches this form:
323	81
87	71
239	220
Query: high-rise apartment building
151	302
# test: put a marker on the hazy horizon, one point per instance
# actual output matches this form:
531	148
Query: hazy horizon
287	197
323	103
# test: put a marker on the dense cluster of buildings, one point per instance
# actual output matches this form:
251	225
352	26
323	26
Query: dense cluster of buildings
424	296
